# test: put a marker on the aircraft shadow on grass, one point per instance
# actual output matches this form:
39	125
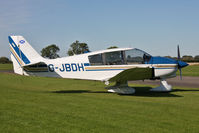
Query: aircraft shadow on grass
140	91
178	90
78	91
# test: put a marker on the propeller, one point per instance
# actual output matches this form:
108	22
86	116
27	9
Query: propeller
178	61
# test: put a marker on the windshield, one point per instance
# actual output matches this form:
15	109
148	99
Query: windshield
136	56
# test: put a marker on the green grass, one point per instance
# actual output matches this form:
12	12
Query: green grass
190	71
6	67
36	104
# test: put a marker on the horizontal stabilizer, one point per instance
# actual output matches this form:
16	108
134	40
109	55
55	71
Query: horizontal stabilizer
37	67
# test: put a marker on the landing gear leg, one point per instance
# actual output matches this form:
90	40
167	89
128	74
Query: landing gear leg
121	88
164	86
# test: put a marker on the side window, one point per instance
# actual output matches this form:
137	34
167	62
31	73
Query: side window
95	59
134	56
114	58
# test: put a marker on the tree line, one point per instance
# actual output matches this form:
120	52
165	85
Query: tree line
187	58
76	48
51	52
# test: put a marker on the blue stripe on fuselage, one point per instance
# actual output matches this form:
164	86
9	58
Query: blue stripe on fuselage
86	64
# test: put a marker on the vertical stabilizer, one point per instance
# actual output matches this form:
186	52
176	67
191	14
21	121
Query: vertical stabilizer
22	53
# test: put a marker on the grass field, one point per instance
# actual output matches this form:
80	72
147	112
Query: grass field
190	71
6	67
36	104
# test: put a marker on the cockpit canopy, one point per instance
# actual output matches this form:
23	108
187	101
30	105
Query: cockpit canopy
133	56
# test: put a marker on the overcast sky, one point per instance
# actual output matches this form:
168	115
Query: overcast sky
155	26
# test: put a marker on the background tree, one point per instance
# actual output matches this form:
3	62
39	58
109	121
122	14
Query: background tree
168	56
78	48
111	47
196	58
4	60
50	51
187	58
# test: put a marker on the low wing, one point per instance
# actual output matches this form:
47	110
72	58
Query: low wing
133	74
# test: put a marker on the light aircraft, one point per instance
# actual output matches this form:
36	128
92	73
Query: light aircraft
111	65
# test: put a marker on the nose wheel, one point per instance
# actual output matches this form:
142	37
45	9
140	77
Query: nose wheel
164	87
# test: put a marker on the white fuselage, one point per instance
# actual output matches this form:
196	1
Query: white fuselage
78	67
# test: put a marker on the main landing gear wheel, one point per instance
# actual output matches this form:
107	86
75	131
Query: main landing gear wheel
164	87
121	88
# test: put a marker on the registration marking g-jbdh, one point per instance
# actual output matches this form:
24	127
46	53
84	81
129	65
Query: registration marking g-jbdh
68	67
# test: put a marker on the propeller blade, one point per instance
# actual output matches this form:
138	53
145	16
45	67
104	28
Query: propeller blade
179	67
180	73
178	53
